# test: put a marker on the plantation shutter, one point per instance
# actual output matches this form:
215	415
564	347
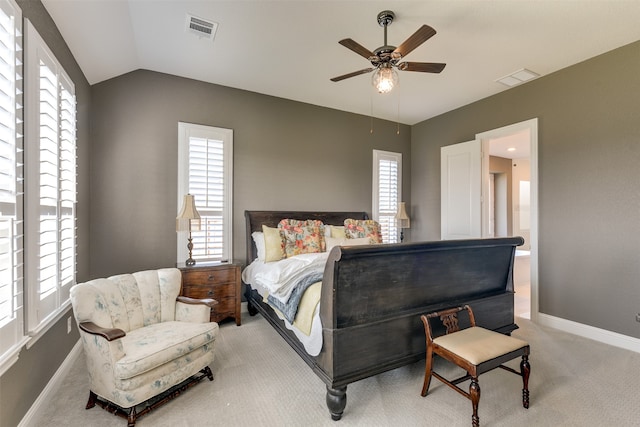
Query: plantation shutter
67	218
386	185
206	183
51	191
48	190
207	167
11	185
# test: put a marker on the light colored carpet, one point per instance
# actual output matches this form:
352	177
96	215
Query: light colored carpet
260	381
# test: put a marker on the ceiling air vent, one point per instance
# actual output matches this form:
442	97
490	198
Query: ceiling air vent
201	27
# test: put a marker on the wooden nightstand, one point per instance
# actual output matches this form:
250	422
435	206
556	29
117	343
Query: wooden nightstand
220	281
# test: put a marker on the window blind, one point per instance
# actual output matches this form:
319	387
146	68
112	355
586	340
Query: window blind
11	184
387	167
206	183
51	186
205	171
388	199
67	218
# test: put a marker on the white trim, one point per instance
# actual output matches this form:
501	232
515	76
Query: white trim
11	356
377	156
586	331
48	393
185	131
41	312
47	323
532	126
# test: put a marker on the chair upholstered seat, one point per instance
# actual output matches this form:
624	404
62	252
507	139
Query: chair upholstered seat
147	348
477	345
474	349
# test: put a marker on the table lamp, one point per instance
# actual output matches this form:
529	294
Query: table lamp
188	220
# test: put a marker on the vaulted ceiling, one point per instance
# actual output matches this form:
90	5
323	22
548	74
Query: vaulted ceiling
290	49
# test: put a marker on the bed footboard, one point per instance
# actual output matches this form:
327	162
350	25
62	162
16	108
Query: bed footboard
372	298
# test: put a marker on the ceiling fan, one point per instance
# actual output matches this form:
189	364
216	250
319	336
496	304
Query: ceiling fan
386	57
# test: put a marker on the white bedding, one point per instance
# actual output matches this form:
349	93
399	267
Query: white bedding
278	279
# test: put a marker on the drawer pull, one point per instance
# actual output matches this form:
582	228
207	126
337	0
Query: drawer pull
210	293
211	277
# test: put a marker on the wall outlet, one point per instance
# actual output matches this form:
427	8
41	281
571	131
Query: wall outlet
637	317
69	325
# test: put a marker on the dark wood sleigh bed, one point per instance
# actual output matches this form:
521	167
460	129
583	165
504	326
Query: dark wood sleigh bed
372	297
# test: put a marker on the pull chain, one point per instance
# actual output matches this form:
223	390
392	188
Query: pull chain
371	111
398	111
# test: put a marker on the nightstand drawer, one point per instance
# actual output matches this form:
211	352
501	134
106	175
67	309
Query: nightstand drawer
208	277
226	290
218	281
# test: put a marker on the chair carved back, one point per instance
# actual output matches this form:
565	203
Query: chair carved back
450	321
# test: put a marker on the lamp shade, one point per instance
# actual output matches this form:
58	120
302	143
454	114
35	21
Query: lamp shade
188	219
403	219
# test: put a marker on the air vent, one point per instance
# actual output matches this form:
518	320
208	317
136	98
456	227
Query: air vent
518	77
201	27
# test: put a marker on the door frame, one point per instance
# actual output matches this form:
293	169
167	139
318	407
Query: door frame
485	137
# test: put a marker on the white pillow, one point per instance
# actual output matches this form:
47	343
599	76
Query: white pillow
258	239
333	241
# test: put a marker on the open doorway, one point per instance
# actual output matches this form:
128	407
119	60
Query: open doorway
469	210
512	202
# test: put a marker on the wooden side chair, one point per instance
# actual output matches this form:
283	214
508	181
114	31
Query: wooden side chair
474	349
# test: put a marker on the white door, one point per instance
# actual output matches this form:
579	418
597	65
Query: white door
461	190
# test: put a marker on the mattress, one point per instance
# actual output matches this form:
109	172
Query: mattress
306	326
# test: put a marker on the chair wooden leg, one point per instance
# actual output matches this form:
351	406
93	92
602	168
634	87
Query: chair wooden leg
474	393
525	369
427	372
92	400
208	373
131	418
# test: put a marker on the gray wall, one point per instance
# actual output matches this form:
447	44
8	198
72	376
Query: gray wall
21	385
287	155
589	182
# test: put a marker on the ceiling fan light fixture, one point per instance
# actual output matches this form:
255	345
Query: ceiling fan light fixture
384	79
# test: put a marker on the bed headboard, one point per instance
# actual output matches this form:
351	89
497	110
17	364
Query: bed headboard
256	219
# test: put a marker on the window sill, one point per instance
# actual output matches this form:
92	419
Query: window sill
47	323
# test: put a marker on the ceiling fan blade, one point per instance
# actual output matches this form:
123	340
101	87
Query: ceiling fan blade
424	67
355	73
423	34
357	48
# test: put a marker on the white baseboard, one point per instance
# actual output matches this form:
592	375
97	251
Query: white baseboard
597	334
47	394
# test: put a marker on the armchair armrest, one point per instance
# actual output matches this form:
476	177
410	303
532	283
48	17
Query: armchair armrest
210	302
109	334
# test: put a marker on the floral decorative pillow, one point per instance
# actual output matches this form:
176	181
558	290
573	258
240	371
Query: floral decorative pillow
302	237
359	228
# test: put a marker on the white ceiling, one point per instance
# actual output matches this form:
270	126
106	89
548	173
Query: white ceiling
290	49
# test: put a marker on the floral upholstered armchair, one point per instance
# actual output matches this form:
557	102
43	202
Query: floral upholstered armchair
141	339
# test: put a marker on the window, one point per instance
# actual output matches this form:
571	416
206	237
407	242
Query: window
11	189
50	151
205	170
387	189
